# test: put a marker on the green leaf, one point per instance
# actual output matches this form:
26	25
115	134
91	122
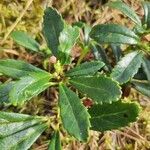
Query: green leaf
67	40
25	40
87	68
99	88
112	116
142	86
4	92
126	10
26	88
19	131
73	114
113	33
127	67
146	67
17	68
146	6
140	75
101	55
116	51
55	143
87	30
52	27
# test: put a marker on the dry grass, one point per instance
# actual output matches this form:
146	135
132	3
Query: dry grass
26	15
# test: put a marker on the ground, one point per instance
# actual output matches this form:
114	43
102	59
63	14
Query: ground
27	15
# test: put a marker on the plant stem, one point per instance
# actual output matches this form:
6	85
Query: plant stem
83	53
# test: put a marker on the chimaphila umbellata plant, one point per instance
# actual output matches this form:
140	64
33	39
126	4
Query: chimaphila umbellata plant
98	80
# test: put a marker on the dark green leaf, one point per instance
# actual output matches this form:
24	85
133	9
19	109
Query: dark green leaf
26	88
127	67
140	75
16	68
19	131
116	51
100	54
25	40
55	143
112	116
146	67
73	114
67	40
113	33
126	10
101	89
52	27
87	68
26	144
146	6
4	92
142	86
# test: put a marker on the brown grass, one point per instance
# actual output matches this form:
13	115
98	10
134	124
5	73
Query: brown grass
27	16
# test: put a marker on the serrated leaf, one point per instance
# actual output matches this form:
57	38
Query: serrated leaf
113	33
52	27
142	86
67	40
87	68
146	67
26	88
126	10
55	143
4	92
26	144
127	67
17	68
19	131
25	40
73	114
99	88
146	6
112	116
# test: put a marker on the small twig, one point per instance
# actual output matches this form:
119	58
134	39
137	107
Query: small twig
17	21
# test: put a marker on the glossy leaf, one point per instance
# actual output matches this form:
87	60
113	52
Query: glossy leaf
113	116
25	40
87	30
146	6
142	86
140	75
113	33
26	88
19	131
52	27
73	114
116	51
146	67
127	67
17	68
55	143
67	40
87	68
101	55
99	88
4	92
126	10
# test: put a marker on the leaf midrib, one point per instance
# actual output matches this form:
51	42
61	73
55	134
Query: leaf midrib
71	109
